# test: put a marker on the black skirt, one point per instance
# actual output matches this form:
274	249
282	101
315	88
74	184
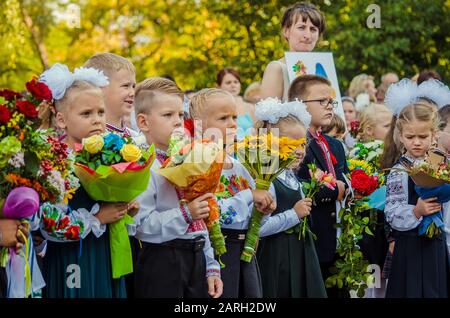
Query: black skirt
290	267
240	279
420	267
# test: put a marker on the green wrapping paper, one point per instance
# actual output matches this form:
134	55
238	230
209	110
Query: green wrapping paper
118	183
121	257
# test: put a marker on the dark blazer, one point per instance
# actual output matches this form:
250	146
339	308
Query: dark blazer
323	214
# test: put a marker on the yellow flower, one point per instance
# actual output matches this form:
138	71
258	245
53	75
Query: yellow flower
131	153
93	144
287	146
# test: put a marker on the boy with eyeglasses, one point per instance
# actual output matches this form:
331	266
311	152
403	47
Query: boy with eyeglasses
329	155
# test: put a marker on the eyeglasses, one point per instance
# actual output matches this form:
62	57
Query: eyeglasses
324	102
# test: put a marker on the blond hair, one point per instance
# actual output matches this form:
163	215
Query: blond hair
47	114
110	63
369	116
358	85
393	148
336	123
200	100
147	90
251	92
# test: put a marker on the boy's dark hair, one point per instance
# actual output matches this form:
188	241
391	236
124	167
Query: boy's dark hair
300	86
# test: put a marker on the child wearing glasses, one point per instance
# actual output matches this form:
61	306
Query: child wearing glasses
329	155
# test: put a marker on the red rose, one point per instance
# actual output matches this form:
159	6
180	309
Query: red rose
63	223
189	126
5	114
39	90
72	233
49	225
27	108
362	183
9	95
354	128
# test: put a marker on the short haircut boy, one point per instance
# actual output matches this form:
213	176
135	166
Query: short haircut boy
300	86
149	88
109	63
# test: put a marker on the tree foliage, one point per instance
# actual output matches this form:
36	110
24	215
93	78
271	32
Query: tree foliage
192	39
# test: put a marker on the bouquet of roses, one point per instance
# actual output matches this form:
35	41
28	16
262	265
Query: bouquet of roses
365	178
195	167
34	165
351	268
366	156
113	169
319	179
432	179
29	157
265	157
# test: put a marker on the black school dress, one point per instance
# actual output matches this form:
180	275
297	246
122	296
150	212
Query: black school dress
289	267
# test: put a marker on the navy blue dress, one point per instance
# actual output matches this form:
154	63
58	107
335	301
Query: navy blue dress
94	264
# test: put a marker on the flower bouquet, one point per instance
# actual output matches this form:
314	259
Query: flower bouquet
432	179
194	167
34	165
319	179
351	267
265	157
112	169
61	226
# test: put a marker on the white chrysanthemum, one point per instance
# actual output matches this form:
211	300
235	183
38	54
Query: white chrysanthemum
17	161
57	182
58	78
91	75
435	90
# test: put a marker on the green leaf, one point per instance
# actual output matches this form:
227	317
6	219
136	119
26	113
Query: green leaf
31	162
368	231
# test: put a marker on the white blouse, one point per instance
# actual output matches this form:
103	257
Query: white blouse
285	220
399	214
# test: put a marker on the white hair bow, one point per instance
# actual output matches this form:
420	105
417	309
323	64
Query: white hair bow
272	109
59	78
405	92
